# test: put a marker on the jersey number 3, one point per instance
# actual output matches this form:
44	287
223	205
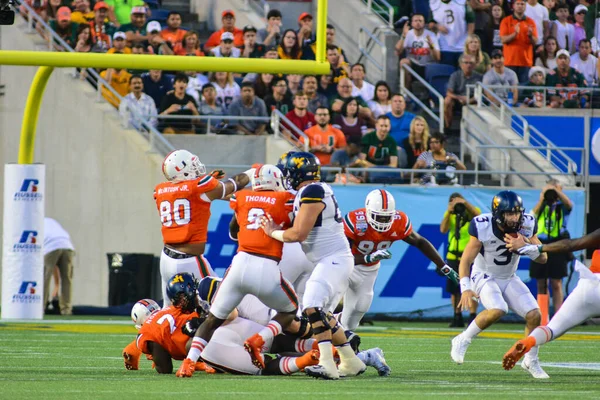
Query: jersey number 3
505	256
178	212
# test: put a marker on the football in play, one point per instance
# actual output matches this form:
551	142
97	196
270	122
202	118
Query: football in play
514	234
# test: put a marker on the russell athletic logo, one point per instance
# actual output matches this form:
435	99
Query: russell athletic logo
28	243
29	191
27	293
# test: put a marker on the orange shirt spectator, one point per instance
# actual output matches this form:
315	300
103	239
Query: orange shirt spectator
518	33
172	33
324	139
190	45
228	18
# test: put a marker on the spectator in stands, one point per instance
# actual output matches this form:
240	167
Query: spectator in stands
228	20
562	30
225	48
118	79
566	77
309	50
156	44
348	156
339	66
299	115
178	102
64	28
501	76
208	106
305	31
101	30
547	58
344	89
518	34
251	49
271	54
382	102
323	138
190	45
534	97
262	85
136	30
82	13
482	60
39	7
421	47
483	20
196	82
156	85
122	9
586	63
592	20
452	32
137	106
137	48
272	33
248	105
417	140
173	32
288	48
437	158
378	147
496	42
579	25
400	119
227	89
539	14
360	87
119	44
279	98
294	83
84	39
327	88
457	87
51	11
349	120
315	99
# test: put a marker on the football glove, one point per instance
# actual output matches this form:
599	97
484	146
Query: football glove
191	326
377	256
531	250
217	174
449	273
131	356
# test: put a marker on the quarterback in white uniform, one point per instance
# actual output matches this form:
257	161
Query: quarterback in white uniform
318	227
493	278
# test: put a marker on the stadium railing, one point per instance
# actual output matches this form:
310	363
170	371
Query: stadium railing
439	117
382	8
156	141
367	41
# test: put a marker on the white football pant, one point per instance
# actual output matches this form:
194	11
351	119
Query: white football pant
504	294
296	268
330	277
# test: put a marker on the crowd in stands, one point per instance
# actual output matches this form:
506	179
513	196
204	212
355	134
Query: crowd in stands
350	122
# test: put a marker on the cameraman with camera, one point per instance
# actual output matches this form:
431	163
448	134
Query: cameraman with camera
457	219
552	211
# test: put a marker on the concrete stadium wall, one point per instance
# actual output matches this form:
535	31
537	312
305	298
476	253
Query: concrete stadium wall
99	177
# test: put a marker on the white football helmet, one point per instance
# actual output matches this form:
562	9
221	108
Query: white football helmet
181	165
381	207
268	177
142	310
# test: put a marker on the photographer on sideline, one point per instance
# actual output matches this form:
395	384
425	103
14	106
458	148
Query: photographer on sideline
457	219
551	211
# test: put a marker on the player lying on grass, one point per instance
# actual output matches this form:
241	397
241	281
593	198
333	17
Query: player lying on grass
582	303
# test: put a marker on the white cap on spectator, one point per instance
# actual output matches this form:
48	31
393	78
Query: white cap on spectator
153	26
138	10
536	69
226	36
580	8
563	52
119	35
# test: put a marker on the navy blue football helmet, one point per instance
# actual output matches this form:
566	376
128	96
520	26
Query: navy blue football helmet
507	201
300	167
283	161
182	290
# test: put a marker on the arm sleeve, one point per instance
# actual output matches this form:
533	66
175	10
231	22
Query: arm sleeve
312	194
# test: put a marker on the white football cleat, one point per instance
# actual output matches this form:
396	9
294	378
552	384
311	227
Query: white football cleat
459	349
326	370
374	358
352	367
534	368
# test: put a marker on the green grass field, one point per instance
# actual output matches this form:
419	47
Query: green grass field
67	359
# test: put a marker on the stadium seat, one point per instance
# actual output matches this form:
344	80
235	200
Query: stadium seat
153	4
160	15
437	75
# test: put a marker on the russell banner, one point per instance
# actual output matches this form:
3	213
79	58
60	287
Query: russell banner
23	237
408	281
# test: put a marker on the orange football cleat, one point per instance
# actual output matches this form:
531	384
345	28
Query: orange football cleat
253	346
308	359
515	353
187	369
200	366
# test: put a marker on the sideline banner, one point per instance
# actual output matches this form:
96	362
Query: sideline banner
408	281
22	256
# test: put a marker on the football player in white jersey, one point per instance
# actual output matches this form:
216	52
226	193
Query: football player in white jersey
493	278
318	227
582	303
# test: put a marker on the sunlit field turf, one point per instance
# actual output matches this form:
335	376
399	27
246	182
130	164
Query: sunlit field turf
74	359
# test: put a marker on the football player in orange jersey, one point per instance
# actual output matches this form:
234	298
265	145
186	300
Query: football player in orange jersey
254	269
582	303
183	204
371	232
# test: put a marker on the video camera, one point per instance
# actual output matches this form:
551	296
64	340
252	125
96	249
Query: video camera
460	209
7	15
550	196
